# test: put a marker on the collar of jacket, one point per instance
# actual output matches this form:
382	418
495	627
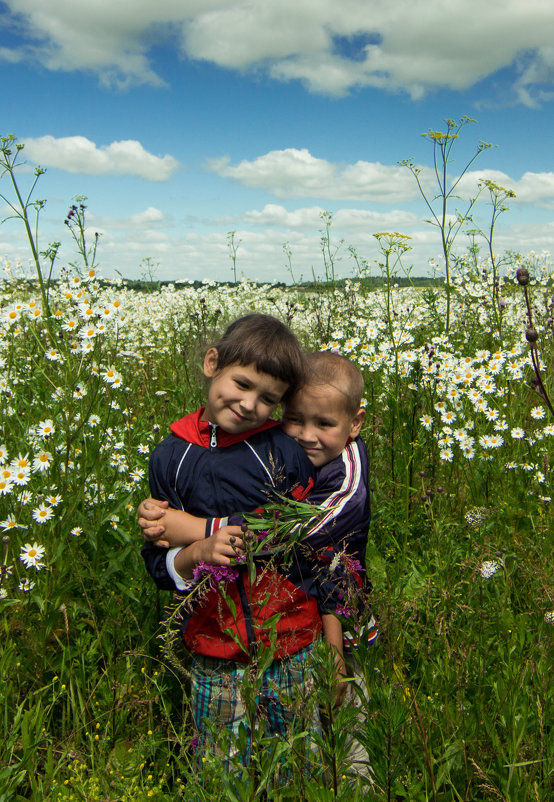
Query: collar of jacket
197	431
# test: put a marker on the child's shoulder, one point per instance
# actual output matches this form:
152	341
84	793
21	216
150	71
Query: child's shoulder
275	440
350	465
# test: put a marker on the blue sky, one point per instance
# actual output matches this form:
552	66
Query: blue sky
184	120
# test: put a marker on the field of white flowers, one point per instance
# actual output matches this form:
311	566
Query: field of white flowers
456	693
461	438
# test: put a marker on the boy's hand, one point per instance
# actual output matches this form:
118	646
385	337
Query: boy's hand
220	548
150	513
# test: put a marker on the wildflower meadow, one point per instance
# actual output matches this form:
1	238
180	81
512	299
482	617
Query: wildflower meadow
457	691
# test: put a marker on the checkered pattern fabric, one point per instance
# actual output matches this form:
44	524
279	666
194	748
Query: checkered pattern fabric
221	687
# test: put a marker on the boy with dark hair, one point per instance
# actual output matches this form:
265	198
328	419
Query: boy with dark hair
324	417
230	455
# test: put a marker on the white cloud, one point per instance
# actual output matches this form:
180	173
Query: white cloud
535	188
150	218
331	47
294	173
344	219
77	154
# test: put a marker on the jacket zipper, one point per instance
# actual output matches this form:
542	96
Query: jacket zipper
213	435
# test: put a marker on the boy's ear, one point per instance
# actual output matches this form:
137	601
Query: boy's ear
210	362
357	422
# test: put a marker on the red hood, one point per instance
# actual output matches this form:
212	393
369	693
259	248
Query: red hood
194	430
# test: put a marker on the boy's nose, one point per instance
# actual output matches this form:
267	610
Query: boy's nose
306	435
247	402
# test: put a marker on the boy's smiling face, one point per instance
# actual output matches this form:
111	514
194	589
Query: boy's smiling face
239	396
317	418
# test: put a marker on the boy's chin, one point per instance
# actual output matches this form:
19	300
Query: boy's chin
317	459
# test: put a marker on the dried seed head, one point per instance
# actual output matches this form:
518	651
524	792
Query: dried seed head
522	275
531	335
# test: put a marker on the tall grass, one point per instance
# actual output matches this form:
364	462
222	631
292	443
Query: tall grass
457	693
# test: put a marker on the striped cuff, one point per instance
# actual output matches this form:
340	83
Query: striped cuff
213	524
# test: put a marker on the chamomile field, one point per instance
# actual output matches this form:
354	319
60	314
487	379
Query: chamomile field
457	691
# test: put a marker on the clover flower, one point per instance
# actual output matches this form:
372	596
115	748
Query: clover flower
489	568
476	516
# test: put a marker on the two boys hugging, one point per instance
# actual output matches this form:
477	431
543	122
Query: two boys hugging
229	456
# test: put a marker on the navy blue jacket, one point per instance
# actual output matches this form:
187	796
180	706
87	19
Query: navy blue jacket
207	472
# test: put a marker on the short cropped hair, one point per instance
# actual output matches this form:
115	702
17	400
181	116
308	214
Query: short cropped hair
268	344
328	368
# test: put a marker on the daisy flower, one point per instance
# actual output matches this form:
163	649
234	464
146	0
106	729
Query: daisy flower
6	486
21	476
10	523
3	454
45	428
42	461
537	413
31	555
109	375
517	433
26	585
42	513
76	531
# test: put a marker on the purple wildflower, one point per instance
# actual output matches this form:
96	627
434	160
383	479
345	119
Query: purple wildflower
344	610
215	573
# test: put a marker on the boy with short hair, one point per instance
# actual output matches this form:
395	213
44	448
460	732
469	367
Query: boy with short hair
324	417
230	455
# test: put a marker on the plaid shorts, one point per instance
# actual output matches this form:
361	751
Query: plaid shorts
220	689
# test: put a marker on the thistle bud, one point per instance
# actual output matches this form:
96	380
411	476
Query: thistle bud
531	335
522	275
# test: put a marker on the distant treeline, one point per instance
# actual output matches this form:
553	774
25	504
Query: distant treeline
143	285
308	286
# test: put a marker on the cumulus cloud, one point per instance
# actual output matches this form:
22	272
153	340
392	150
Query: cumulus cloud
535	188
331	47
294	173
77	154
346	219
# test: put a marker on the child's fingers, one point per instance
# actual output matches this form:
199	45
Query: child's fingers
163	544
152	533
151	513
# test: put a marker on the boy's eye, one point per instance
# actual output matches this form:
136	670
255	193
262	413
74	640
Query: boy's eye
269	401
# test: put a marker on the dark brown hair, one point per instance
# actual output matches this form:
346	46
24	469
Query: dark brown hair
268	344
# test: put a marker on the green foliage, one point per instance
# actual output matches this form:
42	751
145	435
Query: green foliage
453	702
